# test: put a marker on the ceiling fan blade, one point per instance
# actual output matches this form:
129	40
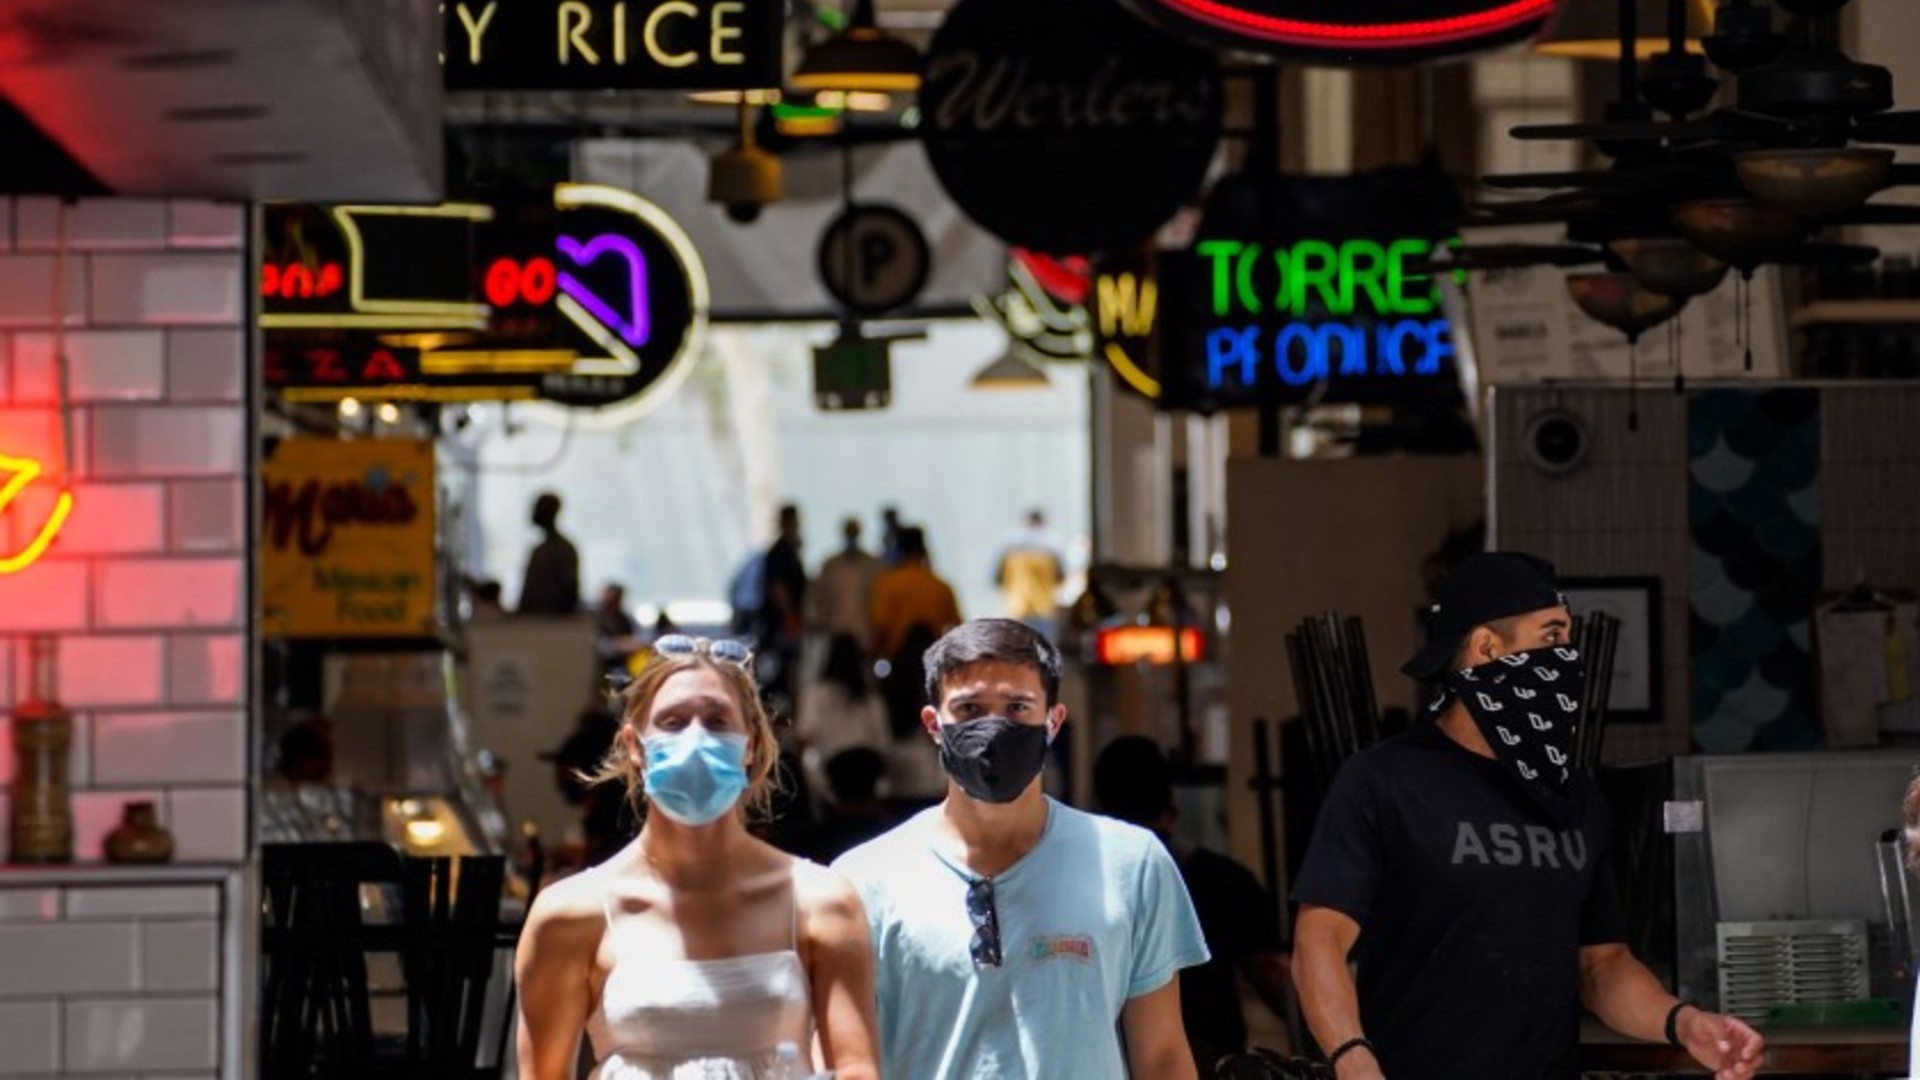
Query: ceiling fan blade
1613	180
1649	130
1830	255
1887	214
1477	257
1896	128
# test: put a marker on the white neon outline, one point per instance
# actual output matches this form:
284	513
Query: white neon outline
356	254
576	196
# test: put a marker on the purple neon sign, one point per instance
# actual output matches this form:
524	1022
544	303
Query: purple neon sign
636	326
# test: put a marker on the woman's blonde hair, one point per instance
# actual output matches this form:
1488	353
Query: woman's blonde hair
634	703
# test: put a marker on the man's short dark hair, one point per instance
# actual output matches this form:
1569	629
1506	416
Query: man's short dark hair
990	640
911	541
1133	781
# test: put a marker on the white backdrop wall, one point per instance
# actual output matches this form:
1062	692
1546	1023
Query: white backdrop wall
671	504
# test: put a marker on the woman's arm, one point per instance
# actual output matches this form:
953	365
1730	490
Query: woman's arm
552	969
839	954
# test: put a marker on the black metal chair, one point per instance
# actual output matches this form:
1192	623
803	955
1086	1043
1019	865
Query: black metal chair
316	939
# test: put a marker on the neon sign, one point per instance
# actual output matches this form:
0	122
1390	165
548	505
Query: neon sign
635	326
509	282
1271	307
612	45
1309	281
297	281
24	471
1355	31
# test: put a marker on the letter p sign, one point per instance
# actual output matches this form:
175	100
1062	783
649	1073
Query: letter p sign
873	259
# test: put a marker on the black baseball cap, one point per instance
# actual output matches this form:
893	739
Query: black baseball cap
1492	585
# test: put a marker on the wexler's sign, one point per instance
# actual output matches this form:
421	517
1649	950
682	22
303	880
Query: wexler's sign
1273	305
612	44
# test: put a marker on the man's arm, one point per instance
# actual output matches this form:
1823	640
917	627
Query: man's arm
1156	1038
1322	938
1626	997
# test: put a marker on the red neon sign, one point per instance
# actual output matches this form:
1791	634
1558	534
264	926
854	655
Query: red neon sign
297	281
24	472
1134	644
509	282
1270	23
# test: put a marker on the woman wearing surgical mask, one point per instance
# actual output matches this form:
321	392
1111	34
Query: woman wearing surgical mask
697	950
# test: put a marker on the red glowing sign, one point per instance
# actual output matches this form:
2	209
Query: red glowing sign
1355	31
340	363
23	472
297	281
509	282
1135	644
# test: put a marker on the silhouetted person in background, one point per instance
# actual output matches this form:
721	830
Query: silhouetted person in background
1133	781
890	534
782	611
856	813
1029	571
552	585
616	634
911	608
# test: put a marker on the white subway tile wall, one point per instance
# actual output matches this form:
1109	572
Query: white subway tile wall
146	584
105	980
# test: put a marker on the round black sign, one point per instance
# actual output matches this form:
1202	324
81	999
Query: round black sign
632	294
1067	126
873	258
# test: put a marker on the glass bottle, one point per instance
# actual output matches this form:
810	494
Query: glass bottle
42	803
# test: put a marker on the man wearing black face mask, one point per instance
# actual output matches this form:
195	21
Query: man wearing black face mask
1015	937
1461	867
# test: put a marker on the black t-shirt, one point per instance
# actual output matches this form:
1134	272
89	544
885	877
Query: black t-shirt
1237	922
1472	905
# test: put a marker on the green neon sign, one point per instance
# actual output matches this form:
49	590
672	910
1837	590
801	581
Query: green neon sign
1354	276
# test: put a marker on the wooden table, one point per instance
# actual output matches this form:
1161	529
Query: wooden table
1789	1051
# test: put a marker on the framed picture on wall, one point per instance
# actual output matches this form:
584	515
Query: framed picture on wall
1634	697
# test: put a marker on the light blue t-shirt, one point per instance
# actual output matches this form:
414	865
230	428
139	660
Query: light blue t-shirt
1094	915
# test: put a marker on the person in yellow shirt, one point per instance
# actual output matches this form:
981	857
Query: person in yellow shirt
1029	573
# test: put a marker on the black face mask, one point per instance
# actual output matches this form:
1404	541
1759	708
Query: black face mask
993	758
1527	706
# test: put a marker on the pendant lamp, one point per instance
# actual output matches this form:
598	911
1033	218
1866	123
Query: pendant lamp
862	57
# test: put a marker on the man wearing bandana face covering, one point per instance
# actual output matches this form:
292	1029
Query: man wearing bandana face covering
1015	937
1461	868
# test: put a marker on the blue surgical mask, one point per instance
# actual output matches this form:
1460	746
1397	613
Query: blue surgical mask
694	776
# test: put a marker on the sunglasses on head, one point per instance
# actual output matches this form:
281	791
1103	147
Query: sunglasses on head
985	948
725	650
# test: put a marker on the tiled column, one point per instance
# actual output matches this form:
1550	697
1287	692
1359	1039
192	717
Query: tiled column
147	589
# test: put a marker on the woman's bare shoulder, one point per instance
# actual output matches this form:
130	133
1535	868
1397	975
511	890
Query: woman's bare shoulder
822	892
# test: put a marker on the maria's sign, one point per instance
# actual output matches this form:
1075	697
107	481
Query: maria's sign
1330	301
348	538
1067	126
612	44
1351	31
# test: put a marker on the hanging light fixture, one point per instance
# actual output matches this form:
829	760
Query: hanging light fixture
1669	265
1011	371
1740	232
862	57
1816	182
1590	29
1619	301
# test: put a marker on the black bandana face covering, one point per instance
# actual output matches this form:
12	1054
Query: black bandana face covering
1527	705
993	758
